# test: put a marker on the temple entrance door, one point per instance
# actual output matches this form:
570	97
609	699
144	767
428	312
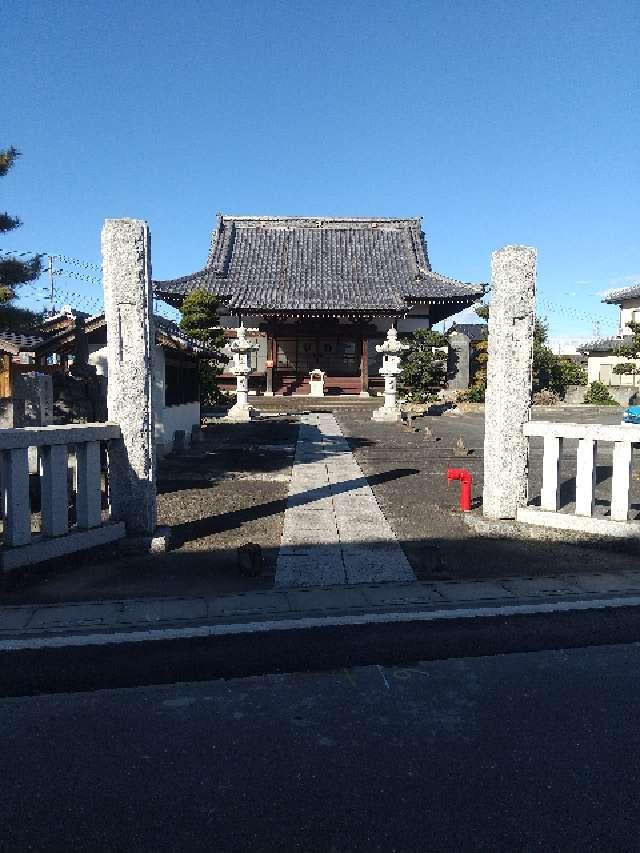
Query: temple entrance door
285	377
307	356
339	355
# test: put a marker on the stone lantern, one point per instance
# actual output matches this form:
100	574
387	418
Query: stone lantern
391	350
241	350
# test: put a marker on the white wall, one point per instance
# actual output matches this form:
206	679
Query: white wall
627	310
172	418
168	418
595	363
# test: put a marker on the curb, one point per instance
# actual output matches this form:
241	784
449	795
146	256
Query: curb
306	622
204	652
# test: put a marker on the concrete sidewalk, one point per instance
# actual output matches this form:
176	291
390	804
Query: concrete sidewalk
163	618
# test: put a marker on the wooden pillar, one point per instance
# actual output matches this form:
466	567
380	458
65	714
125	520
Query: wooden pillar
364	365
269	369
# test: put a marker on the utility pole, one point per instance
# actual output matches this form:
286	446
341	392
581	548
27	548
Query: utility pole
52	295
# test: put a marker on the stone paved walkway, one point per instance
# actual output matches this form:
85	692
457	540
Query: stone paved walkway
334	531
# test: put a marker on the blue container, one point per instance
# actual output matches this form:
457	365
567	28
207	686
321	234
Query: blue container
632	415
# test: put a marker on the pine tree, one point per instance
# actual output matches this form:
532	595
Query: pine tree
14	271
424	365
201	322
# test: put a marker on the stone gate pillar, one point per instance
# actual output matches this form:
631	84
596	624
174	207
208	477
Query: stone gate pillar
126	264
508	397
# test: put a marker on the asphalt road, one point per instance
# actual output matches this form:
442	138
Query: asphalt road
533	751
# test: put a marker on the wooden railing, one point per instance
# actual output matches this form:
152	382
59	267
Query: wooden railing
57	450
623	437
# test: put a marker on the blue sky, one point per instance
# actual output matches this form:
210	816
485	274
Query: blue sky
498	122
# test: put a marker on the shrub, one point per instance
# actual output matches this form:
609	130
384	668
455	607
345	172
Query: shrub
598	394
424	369
473	394
545	397
567	372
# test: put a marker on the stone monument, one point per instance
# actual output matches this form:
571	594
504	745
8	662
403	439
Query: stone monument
241	349
458	359
508	396
391	350
126	264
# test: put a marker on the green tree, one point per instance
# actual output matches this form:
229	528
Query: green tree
14	271
424	366
631	349
550	372
483	312
200	322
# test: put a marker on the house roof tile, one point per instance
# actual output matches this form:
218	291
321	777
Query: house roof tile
615	297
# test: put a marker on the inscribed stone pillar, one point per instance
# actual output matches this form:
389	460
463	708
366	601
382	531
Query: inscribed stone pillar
126	263
458	361
508	396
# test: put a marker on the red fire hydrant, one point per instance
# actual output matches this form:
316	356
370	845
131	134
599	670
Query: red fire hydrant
466	480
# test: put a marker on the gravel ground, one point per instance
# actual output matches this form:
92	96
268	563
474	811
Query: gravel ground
229	491
407	471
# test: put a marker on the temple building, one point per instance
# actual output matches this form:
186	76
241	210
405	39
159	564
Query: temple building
318	293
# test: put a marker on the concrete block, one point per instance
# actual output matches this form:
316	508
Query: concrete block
473	591
305	600
401	594
41	549
580	524
15	618
250	602
605	583
541	586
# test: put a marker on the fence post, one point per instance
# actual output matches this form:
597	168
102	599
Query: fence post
508	396
126	262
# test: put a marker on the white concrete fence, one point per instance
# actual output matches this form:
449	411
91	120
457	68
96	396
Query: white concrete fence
588	435
59	448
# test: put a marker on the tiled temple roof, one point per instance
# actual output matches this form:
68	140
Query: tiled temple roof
290	264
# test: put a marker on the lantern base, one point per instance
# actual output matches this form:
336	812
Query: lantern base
242	413
387	415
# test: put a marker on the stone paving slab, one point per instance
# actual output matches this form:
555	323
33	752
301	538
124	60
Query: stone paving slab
326	478
543	586
237	605
325	599
147	614
297	571
15	618
473	590
400	594
117	612
608	583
